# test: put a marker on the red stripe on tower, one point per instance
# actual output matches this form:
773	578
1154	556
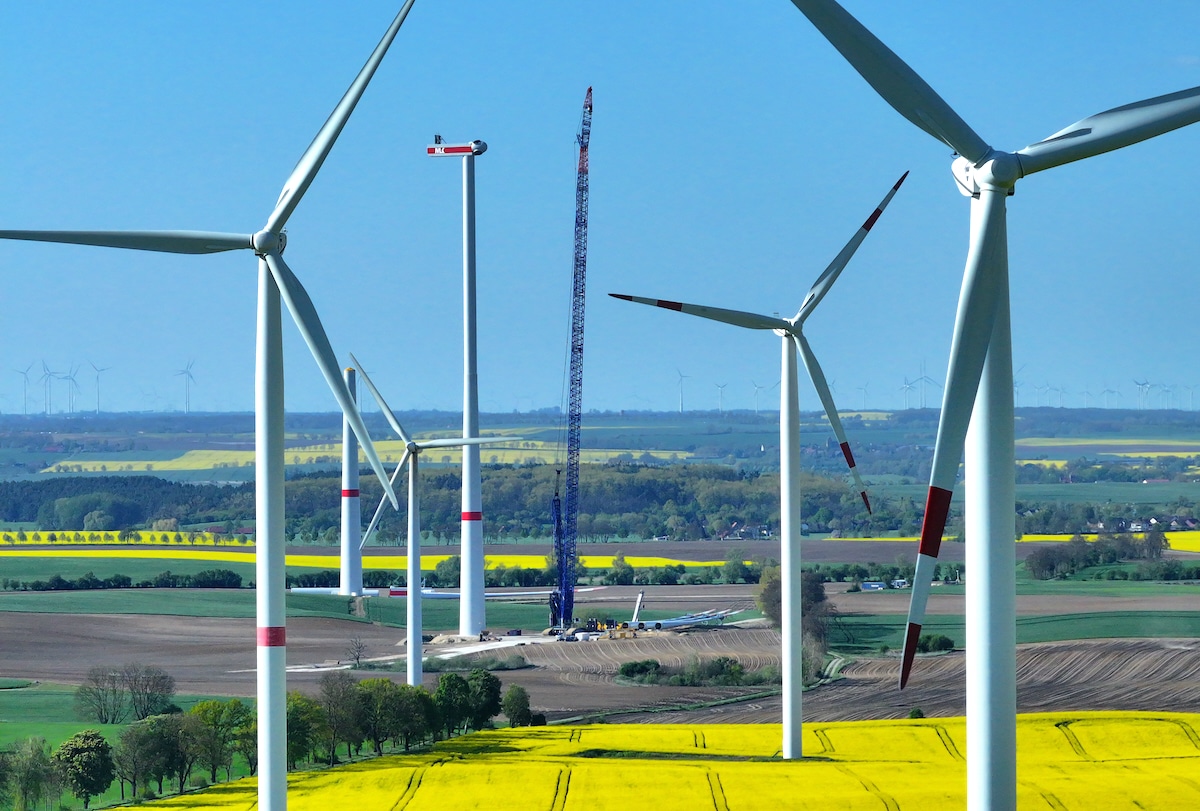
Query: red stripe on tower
472	516
464	149
937	509
349	494
272	637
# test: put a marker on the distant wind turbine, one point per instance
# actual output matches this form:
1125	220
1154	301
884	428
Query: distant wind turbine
98	369
188	380
24	389
720	397
682	377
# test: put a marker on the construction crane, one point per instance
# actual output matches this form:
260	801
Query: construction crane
562	602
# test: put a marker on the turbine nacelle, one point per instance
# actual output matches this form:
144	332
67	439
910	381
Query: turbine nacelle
998	170
265	242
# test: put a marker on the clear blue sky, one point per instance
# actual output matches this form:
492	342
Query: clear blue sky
733	154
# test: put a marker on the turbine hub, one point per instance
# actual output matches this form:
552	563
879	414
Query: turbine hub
999	171
265	242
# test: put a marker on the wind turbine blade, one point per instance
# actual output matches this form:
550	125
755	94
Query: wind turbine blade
895	81
383	406
1113	129
977	307
305	315
822	387
310	162
456	441
383	501
161	241
736	317
829	276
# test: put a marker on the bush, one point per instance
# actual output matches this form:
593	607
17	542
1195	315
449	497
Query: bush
644	667
934	643
916	712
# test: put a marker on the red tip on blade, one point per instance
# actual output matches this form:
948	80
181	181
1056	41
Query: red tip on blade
846	452
901	180
866	501
937	509
910	651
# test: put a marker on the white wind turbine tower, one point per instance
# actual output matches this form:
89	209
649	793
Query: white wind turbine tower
412	451
98	369
276	282
682	377
791	330
48	383
977	403
24	389
188	380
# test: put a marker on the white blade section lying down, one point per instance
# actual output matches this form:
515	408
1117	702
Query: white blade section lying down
161	241
383	406
819	383
736	317
1113	129
829	276
305	315
896	82
310	162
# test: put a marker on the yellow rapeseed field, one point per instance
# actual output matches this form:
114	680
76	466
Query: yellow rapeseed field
1066	761
390	451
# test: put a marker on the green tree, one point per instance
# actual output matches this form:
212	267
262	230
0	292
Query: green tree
220	721
31	773
452	698
85	761
515	706
150	689
380	707
735	569
485	698
245	743
417	715
343	711
305	727
136	757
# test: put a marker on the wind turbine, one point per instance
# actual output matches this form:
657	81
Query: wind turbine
863	389
720	397
906	388
48	382
98	369
412	451
72	388
188	380
757	389
276	282
682	377
791	331
978	397
24	388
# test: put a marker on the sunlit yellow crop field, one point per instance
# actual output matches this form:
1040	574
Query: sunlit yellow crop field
390	451
1075	761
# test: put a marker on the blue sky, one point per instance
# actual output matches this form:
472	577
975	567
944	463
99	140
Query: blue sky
733	154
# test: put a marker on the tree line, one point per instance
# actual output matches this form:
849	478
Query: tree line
207	579
164	748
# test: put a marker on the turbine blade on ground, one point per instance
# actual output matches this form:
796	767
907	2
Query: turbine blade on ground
161	241
310	162
383	406
822	387
895	81
977	306
736	317
829	276
309	323
1113	129
383	501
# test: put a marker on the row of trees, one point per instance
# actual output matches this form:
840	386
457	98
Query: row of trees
207	579
1063	560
